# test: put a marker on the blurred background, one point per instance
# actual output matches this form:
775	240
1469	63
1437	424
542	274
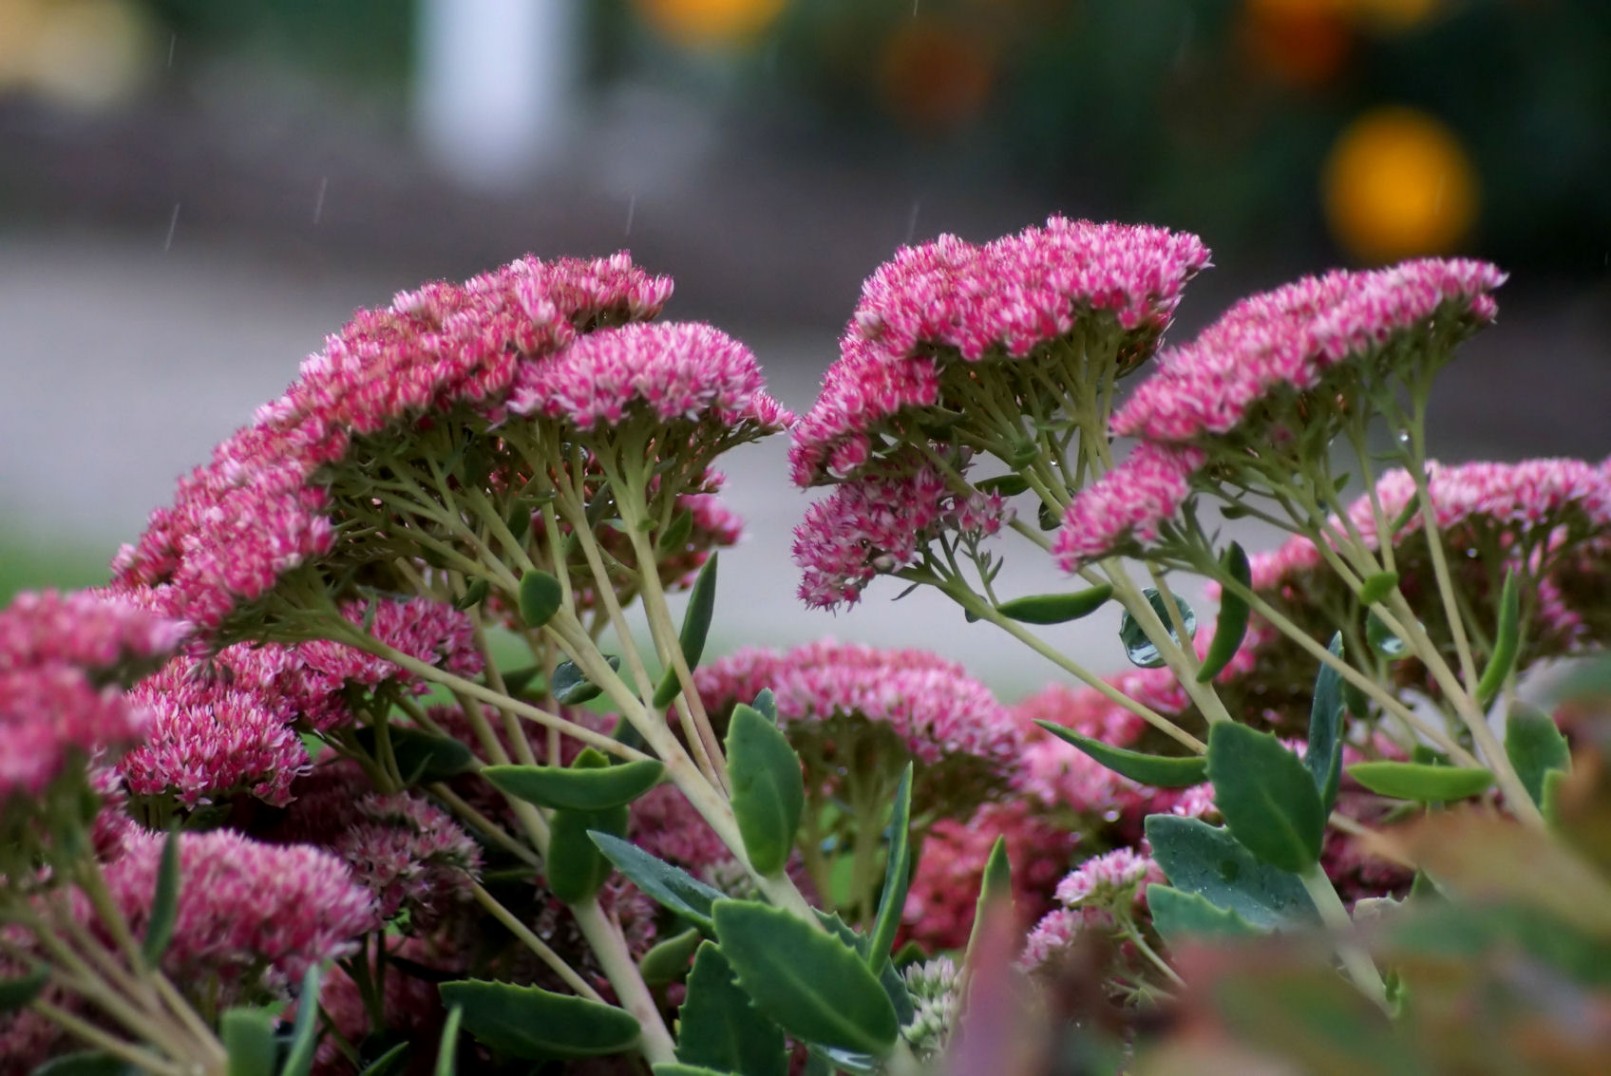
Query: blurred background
192	194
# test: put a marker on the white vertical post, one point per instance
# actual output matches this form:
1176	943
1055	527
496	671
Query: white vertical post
494	85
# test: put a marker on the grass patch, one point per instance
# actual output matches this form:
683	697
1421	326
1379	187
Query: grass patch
34	563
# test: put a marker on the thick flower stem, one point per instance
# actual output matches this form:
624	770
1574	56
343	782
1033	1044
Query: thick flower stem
1355	961
609	948
520	930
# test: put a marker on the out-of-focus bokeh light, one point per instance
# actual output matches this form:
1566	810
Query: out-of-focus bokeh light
711	23
1398	183
1391	16
83	53
933	75
1303	43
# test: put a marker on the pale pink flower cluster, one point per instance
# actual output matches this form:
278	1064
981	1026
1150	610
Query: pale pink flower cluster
410	854
930	703
1092	897
877	524
57	653
1290	338
1128	505
258	508
1003	299
252	918
422	628
673	370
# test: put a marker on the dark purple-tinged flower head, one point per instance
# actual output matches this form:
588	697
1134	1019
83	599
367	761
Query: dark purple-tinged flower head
881	523
1278	361
945	324
1127	507
411	855
252	918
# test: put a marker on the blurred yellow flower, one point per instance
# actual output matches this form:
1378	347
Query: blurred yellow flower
1397	183
710	22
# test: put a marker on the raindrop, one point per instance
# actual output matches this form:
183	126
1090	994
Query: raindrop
173	41
1382	640
1143	651
911	220
318	199
632	210
173	223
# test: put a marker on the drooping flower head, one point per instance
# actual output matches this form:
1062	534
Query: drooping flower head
1277	362
949	324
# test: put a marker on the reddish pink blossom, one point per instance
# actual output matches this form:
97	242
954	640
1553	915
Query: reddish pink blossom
879	524
1003	300
211	738
666	825
944	894
252	918
424	629
1058	931
52	720
1288	339
931	704
409	854
670	371
97	631
1127	506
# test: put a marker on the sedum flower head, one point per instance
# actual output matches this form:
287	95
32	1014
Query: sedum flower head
1128	506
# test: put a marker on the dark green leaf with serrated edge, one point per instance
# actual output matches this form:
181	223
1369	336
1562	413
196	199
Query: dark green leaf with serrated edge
1056	608
1230	626
1206	860
673	1068
995	887
1324	755
248	1038
85	1063
1376	587
1424	784
720	1026
767	704
768	788
1181	916
534	1024
1266	796
572	688
897	876
1507	643
164	903
1536	748
447	1048
575	868
695	630
540	597
305	1033
19	991
1159	771
1143	651
574	789
673	887
422	757
812	985
388	1062
894	984
668	960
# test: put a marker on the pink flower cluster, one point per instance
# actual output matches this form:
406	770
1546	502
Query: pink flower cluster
252	918
1099	890
877	524
1001	300
260	506
56	653
409	854
672	370
935	708
422	628
1291	338
1126	506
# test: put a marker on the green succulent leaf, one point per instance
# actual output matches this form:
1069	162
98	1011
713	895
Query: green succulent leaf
674	539
389	1061
1056	608
164	902
995	889
571	687
1267	796
695	630
1159	771
1324	754
541	596
667	962
422	757
1377	586
534	1024
1230	627
1383	639
86	1063
768	788
575	867
674	888
897	876
447	1049
1536	749
1420	782
814	986
248	1038
767	703
305	1032
17	992
1182	916
1507	643
1208	861
593	789
721	1028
